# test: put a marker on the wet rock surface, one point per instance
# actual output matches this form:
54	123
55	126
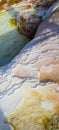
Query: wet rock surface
36	65
42	51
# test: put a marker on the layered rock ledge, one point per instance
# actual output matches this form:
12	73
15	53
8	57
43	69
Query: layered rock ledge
38	59
37	65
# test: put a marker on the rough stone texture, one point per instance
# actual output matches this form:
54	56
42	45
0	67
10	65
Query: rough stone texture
43	3
29	3
41	55
28	22
37	111
10	4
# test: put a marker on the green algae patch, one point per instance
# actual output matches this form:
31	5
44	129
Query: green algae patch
53	123
12	22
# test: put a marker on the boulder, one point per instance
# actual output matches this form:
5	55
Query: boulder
37	65
38	110
29	19
28	22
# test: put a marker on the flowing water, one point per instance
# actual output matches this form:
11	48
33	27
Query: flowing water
11	42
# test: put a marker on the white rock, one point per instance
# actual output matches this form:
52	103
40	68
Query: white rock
24	69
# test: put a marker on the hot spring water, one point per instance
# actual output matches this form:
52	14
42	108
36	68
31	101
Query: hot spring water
11	42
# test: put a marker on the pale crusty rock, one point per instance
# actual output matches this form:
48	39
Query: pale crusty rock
44	54
41	52
36	110
50	72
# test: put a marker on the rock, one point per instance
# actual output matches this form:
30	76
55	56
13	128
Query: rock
47	3
9	2
50	73
28	22
25	70
37	110
37	3
6	4
42	3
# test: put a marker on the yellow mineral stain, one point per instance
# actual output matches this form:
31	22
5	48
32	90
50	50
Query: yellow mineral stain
29	115
12	22
2	12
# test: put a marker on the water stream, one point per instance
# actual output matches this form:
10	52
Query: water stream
11	42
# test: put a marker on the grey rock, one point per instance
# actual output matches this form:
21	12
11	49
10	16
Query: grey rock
28	22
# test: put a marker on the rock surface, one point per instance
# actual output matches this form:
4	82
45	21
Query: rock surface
43	3
29	3
29	20
38	110
28	23
38	61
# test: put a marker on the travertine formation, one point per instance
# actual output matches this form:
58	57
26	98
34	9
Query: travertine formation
37	110
37	63
42	52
